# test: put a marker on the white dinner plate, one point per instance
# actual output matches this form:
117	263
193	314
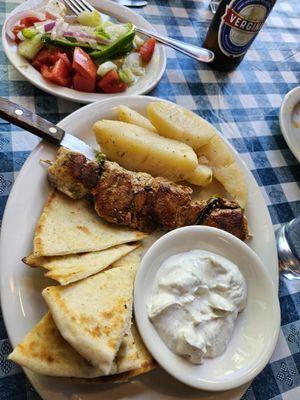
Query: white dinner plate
289	119
154	69
21	287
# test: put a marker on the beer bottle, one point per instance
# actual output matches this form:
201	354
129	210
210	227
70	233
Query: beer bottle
233	29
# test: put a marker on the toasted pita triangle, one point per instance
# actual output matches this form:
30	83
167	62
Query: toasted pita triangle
74	267
146	360
94	314
45	351
69	226
145	364
127	357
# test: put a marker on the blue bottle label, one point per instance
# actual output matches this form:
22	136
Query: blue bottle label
240	24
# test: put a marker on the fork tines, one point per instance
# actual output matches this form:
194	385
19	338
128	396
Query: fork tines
77	6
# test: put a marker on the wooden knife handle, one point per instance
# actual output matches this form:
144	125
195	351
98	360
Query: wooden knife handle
31	122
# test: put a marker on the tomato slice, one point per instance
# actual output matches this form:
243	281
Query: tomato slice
49	57
66	59
146	50
111	83
58	73
29	21
82	83
83	64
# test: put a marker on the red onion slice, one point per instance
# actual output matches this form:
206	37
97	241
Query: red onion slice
49	26
83	35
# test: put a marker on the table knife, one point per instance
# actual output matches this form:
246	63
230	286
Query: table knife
42	128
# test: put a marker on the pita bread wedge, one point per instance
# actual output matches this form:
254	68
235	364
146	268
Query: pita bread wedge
132	258
46	352
146	363
94	314
127	358
74	267
69	226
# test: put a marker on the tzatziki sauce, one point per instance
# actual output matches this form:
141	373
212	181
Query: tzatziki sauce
195	300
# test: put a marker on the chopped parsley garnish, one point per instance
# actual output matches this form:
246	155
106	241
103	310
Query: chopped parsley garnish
99	157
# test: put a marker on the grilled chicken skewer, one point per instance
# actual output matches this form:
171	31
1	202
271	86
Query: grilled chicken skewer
137	199
123	197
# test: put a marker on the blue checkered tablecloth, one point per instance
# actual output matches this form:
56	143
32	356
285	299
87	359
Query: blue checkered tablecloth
244	105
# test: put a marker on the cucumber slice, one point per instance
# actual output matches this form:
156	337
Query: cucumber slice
89	18
106	67
30	47
29	33
138	42
126	76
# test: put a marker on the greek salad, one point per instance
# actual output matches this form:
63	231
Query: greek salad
80	52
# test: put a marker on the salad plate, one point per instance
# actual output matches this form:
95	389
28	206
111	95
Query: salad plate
21	287
153	70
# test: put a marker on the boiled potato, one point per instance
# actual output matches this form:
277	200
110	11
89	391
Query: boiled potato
139	149
178	123
202	175
217	152
221	159
126	114
233	181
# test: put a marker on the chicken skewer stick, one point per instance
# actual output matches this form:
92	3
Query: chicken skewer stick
137	199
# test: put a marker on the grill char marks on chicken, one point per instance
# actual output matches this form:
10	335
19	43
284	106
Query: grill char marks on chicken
73	174
226	215
138	200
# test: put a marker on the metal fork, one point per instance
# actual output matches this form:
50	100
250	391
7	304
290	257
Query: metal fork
198	53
